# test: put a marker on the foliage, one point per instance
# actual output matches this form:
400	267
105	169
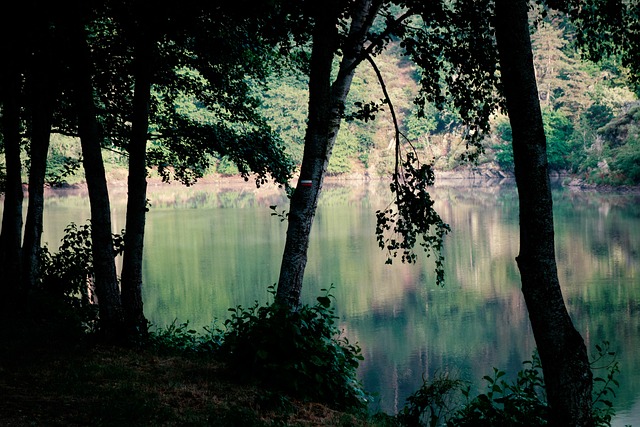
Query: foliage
558	130
522	402
299	352
505	403
59	168
603	389
180	338
68	273
204	122
454	48
414	217
504	148
627	161
431	403
605	30
622	138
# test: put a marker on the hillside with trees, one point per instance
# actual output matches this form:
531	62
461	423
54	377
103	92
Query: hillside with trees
590	112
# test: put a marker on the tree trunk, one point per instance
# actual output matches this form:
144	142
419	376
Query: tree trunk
11	234
562	351
44	83
326	107
106	282
132	304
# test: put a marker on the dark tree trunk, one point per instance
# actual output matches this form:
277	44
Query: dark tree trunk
11	234
562	351
106	282
326	107
137	187
44	83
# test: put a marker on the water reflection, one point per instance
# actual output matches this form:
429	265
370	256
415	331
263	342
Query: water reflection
209	248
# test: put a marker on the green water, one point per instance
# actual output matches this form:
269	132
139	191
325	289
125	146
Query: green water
212	247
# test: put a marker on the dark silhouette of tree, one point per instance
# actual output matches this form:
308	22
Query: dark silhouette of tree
91	138
563	354
13	53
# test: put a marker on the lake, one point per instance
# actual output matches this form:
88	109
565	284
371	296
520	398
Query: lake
215	246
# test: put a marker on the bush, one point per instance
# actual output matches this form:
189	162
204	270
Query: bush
521	402
298	352
180	338
431	404
66	276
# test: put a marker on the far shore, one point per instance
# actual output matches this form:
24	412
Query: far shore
118	181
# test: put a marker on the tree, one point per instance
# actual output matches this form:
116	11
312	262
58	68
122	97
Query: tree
173	51
13	52
326	110
106	281
43	85
131	289
562	350
411	215
179	55
459	49
605	28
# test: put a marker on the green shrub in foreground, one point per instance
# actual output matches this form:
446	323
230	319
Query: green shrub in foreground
521	402
299	352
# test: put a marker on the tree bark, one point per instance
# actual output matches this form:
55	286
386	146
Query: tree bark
44	83
565	363
11	234
132	303
326	108
106	282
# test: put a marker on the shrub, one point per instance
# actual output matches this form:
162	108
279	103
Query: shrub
66	276
431	404
521	402
298	352
182	339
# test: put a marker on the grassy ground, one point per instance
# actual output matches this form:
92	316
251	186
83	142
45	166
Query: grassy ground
56	382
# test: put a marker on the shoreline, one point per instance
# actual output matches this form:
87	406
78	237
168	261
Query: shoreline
118	182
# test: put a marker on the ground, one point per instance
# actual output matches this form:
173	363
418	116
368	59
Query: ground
62	383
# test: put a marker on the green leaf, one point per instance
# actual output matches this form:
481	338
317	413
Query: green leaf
324	301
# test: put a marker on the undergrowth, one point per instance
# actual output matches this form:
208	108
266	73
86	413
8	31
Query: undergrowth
520	402
301	353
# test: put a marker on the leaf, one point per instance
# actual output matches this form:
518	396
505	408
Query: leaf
324	301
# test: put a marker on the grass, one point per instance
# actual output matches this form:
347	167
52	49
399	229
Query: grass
51	381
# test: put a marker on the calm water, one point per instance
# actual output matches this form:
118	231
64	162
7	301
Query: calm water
212	247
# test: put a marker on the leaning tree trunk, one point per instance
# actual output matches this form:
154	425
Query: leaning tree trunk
11	234
106	281
137	188
326	107
43	85
565	363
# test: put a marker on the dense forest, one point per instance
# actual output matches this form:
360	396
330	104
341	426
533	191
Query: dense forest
291	93
590	114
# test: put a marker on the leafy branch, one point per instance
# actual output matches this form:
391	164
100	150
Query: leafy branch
414	216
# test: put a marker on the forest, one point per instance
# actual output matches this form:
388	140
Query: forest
590	113
291	93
